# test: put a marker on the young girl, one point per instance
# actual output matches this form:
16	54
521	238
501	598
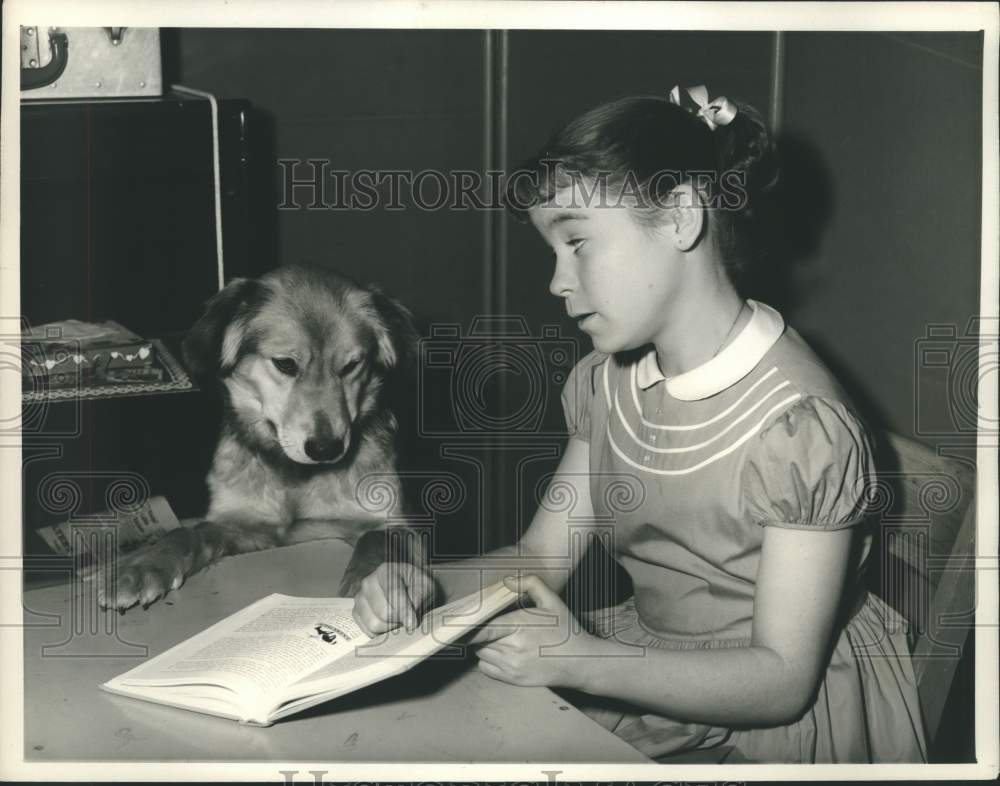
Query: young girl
748	630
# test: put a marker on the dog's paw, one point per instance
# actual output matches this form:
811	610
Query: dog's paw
142	578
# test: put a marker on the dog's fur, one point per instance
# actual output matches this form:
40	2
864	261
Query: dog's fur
299	436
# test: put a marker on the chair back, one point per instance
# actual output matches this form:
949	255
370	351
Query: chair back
925	508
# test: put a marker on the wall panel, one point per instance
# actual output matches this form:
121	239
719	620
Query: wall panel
893	123
364	99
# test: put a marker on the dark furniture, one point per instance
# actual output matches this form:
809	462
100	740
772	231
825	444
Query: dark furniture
118	222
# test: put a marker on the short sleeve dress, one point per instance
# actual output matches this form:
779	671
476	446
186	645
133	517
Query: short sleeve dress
690	470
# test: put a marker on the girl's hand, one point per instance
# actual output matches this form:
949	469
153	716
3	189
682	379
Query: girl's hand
536	646
393	594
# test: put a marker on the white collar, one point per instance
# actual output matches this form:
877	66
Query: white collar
727	368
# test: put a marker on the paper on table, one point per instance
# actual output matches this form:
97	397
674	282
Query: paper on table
148	523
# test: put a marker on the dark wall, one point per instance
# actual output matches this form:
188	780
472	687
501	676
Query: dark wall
892	124
361	99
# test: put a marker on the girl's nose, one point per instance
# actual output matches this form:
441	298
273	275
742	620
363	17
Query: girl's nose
563	279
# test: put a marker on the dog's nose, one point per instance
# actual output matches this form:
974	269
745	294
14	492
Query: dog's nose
324	449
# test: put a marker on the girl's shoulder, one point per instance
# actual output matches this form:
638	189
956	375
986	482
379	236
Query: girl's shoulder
597	370
812	466
580	394
812	460
793	374
803	369
818	403
590	387
587	366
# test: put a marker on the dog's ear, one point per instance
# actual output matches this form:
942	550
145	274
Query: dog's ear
395	332
212	346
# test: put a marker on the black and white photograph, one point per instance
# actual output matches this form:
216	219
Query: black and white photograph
535	392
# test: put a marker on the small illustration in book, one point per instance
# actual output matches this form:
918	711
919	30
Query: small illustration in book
327	632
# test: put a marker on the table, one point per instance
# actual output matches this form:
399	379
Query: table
441	710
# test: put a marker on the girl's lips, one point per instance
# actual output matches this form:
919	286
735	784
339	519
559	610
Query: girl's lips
581	320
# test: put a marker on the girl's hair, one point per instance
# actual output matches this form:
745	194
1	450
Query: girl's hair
646	146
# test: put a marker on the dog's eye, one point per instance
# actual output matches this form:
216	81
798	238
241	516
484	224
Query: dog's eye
350	366
286	366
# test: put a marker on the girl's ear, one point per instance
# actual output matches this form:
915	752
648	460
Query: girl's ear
686	216
212	346
395	333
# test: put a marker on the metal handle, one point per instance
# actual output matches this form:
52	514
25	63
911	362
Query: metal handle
32	78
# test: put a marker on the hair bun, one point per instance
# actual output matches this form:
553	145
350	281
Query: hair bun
745	146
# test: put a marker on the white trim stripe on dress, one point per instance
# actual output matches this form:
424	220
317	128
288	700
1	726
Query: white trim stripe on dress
711	459
708	441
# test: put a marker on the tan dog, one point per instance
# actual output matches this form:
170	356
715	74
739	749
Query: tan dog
304	356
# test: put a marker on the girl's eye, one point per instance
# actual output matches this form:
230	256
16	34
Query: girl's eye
577	243
350	366
286	366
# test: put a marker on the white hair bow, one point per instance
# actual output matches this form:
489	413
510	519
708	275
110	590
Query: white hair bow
718	112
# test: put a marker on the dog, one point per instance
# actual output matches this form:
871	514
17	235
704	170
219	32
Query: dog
305	357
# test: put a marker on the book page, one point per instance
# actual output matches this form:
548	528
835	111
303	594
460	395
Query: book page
394	652
438	628
259	653
284	652
208	699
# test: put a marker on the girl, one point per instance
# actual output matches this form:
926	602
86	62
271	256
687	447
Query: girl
748	630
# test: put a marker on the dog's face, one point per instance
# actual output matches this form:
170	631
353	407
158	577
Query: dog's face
303	353
305	387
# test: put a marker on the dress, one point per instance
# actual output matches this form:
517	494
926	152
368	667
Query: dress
690	470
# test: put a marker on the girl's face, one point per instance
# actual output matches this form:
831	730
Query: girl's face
619	279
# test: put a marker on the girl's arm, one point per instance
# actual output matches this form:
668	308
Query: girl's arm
544	548
772	681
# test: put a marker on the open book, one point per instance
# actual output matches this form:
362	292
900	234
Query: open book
283	654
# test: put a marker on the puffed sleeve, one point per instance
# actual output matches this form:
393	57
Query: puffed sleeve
811	468
578	395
